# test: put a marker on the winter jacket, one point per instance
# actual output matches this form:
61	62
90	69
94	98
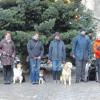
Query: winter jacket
81	47
35	48
57	50
96	48
9	49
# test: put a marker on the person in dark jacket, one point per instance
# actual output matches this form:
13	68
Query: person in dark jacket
81	51
7	51
57	55
35	50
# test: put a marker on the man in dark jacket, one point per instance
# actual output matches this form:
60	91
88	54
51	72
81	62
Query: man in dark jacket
81	50
35	50
57	54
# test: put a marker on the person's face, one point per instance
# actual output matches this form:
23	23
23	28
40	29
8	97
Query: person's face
83	32
8	36
57	37
36	37
91	34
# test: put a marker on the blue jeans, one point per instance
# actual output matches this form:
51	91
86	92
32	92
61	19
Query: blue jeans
56	65
56	69
34	70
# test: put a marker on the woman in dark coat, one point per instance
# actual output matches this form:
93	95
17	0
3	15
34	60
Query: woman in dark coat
7	51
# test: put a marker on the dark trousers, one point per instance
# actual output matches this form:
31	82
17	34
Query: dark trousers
56	75
7	71
80	70
98	68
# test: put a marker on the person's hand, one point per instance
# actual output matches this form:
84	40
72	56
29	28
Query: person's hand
39	57
94	56
63	61
35	57
4	53
73	56
13	56
49	61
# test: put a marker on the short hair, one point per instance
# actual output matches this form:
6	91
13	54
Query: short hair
8	32
56	34
81	30
91	31
36	33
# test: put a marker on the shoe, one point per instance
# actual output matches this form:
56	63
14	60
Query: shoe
7	82
98	81
35	83
84	80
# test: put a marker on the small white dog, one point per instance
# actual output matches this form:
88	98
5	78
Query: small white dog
88	65
17	71
66	73
41	77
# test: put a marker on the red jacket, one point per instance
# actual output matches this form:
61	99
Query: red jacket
96	48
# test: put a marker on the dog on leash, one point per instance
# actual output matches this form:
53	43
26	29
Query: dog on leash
17	72
66	73
41	76
88	65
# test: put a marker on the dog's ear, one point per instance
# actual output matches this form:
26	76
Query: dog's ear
69	65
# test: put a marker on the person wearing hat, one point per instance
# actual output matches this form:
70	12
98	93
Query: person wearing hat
57	54
96	50
81	51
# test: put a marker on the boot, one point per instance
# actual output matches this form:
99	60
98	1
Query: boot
58	75
54	75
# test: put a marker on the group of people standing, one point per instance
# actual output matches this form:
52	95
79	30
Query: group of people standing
57	55
81	52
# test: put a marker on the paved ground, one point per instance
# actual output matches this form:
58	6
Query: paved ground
49	91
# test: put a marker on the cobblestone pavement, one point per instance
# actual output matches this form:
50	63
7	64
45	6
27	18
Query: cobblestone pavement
50	91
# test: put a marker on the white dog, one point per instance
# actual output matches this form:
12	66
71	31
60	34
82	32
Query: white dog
66	73
17	71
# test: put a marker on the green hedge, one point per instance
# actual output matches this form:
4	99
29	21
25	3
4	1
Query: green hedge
21	38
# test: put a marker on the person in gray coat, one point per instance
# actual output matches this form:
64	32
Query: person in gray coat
57	55
35	50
